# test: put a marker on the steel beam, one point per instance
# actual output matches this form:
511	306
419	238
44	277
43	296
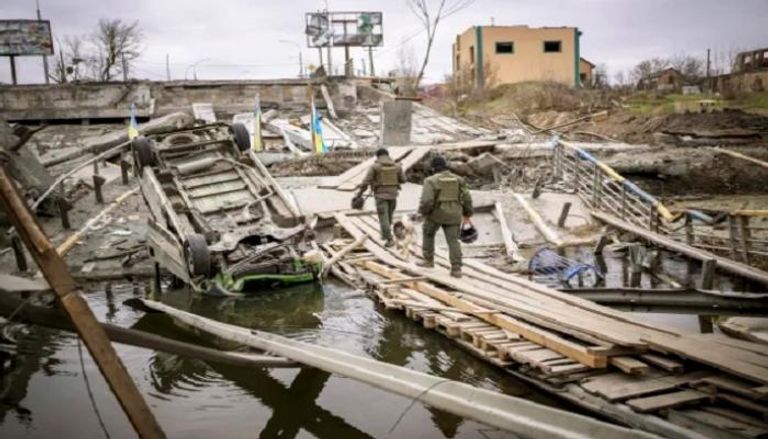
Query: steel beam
677	301
509	413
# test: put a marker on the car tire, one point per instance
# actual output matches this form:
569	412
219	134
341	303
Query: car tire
241	136
143	152
197	255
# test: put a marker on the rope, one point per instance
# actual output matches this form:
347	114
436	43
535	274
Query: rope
413	401
90	392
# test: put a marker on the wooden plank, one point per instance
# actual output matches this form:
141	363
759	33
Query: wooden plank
541	310
663	362
667	401
630	365
714	425
618	387
736	361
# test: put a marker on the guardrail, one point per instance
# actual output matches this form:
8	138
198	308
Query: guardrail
741	235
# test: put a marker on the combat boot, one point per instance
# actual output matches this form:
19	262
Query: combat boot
389	243
456	272
426	264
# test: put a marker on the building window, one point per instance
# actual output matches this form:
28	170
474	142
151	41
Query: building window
552	46
471	54
505	47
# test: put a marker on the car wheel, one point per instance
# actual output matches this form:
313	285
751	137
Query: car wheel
197	255
241	136
143	152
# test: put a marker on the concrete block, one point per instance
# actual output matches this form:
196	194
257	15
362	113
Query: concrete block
396	119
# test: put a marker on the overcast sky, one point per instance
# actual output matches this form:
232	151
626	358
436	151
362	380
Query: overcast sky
241	38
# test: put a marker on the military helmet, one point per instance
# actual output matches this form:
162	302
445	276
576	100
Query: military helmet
468	233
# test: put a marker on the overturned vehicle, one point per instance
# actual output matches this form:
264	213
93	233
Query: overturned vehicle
220	222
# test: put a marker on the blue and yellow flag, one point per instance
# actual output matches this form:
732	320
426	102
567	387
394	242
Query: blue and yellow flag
317	131
133	127
256	143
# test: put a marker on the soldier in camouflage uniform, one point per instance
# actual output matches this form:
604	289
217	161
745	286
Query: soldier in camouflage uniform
384	177
445	201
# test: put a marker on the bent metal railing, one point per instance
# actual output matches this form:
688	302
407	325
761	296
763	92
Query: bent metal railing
741	235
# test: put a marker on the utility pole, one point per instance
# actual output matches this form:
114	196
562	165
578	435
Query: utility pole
167	67
330	42
12	58
301	65
45	57
709	82
125	70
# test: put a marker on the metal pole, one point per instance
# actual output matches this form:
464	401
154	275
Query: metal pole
69	299
13	69
45	57
301	65
370	60
167	67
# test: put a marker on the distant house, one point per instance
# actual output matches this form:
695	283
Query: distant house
751	61
510	54
669	80
586	73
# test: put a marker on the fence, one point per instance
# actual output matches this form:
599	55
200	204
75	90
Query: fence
739	235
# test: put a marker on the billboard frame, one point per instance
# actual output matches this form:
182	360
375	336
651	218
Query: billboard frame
343	39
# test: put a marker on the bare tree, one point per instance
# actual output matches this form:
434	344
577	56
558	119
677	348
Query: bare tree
430	13
67	61
117	45
407	69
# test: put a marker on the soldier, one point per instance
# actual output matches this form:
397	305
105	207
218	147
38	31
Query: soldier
384	178
445	200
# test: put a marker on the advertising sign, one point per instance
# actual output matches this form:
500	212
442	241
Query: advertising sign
25	37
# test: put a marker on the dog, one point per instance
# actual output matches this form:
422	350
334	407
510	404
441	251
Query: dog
404	234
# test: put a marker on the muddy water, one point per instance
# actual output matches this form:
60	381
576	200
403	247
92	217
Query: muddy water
43	395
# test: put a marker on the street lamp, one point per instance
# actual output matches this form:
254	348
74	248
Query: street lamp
301	62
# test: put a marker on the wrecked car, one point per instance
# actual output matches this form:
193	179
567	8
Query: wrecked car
219	222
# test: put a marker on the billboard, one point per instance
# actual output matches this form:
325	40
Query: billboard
360	29
25	37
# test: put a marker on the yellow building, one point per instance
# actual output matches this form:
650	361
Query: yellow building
509	54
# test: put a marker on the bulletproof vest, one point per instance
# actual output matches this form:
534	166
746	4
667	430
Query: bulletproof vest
448	188
388	176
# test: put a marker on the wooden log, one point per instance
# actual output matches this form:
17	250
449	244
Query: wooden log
331	262
512	250
550	235
564	214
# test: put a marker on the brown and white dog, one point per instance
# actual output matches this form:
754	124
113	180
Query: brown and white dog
404	233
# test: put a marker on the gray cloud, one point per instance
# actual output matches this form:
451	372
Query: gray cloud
240	38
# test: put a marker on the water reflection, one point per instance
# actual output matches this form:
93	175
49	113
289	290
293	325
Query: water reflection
24	352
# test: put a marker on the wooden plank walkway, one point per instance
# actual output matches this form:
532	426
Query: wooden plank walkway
559	340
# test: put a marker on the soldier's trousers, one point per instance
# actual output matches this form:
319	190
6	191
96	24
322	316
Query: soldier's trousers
451	231
386	211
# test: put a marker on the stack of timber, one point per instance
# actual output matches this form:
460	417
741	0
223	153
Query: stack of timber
669	383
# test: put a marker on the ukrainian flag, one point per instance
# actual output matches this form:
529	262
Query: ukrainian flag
256	143
133	127
317	130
